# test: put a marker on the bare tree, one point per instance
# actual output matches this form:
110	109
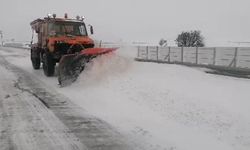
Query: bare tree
190	39
163	42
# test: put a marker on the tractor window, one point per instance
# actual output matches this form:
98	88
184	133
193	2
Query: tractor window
82	30
67	28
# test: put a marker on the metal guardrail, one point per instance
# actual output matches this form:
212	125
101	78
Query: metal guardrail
234	58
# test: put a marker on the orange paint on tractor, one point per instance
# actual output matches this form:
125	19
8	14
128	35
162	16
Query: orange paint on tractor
71	40
97	51
81	40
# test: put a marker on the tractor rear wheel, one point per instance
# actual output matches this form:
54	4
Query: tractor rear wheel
48	64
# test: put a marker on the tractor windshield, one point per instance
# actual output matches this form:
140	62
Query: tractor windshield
67	28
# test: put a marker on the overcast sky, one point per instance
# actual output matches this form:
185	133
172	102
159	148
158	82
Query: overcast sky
136	20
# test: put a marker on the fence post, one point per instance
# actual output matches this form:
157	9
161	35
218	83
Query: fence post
182	54
147	52
235	57
157	53
100	44
214	57
138	51
196	56
169	52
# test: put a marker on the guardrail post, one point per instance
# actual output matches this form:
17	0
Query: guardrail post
147	52
196	55
214	57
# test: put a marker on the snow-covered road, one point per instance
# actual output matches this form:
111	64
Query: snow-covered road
34	116
150	106
26	123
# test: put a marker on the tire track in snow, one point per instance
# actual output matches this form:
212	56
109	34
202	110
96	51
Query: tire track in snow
26	123
85	129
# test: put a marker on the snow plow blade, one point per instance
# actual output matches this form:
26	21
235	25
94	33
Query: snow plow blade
71	65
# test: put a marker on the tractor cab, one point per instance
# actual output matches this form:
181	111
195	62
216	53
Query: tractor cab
61	35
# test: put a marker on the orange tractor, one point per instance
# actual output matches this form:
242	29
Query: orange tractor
64	41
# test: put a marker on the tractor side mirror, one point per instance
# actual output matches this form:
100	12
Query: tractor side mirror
91	29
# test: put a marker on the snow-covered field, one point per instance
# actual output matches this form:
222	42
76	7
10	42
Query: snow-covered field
158	106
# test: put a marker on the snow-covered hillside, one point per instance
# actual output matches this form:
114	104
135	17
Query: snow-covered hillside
159	106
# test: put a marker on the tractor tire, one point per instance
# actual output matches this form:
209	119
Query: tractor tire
48	65
36	61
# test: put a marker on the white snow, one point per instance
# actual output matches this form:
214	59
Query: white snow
25	123
161	106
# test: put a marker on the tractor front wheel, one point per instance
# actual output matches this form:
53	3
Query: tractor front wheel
48	64
36	63
35	59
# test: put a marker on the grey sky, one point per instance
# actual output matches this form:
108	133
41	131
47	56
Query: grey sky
136	20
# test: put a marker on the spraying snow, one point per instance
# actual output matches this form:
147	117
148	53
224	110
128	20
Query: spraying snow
99	69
